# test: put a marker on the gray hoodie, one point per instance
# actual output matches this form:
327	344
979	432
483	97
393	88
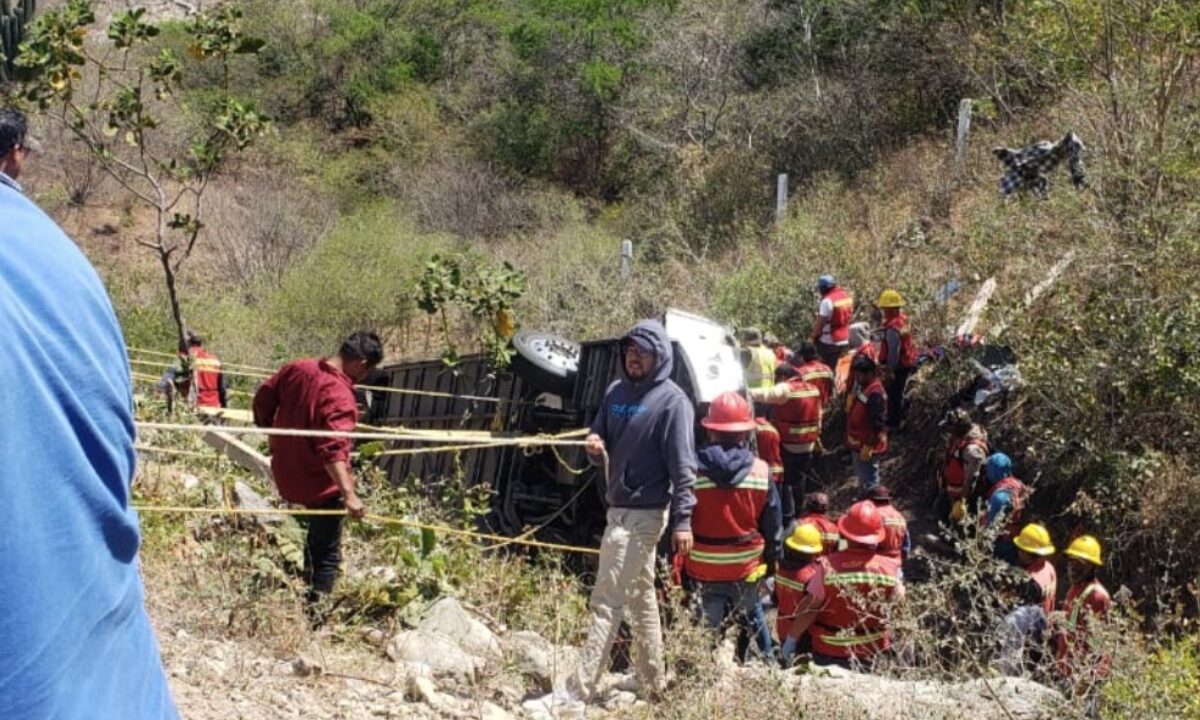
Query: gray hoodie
648	429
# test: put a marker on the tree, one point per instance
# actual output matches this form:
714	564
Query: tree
116	99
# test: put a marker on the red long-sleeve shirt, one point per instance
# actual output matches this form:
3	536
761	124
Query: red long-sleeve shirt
307	395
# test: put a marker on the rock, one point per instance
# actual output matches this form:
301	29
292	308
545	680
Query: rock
440	655
303	667
189	481
422	689
247	499
537	658
492	711
837	693
448	618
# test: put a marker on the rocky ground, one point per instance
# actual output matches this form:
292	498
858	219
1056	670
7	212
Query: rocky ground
453	665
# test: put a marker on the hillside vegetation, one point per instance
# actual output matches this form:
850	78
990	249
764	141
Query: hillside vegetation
544	132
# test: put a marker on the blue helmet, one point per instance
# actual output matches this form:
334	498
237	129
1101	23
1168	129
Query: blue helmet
825	283
999	466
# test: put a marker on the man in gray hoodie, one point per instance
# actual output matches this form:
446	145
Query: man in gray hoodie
644	439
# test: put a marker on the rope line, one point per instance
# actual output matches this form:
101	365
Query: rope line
173	451
518	441
175	356
383	519
152	379
372	388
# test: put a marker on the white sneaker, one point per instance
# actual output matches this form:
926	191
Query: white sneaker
558	704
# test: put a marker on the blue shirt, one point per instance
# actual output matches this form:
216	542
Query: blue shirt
75	640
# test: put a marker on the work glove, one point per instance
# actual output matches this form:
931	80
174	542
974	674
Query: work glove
787	651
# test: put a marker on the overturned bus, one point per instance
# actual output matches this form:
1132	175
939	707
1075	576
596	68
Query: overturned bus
554	385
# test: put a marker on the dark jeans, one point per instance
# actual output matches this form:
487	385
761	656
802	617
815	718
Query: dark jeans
830	354
724	602
895	393
323	548
798	479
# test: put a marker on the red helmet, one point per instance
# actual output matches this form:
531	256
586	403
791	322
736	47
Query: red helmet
862	524
729	412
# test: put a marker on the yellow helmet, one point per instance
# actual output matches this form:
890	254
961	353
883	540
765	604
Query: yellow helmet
890	299
806	539
1035	539
1086	548
958	510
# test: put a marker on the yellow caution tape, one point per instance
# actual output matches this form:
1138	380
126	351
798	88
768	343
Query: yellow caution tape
383	519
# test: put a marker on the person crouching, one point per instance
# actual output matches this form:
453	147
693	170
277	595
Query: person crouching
735	523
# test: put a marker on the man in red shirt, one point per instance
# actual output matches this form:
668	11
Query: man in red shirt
318	394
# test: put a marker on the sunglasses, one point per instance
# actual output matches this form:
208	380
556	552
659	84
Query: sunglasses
631	348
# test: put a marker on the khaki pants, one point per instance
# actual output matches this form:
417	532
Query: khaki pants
625	578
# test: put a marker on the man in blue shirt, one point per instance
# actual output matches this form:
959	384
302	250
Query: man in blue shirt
75	640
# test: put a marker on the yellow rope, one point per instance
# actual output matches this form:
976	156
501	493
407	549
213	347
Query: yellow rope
151	378
175	356
164	365
372	388
447	435
369	516
172	451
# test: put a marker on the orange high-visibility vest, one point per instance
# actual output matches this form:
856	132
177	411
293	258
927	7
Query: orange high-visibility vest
955	473
838	324
908	350
206	368
728	545
799	419
859	583
858	419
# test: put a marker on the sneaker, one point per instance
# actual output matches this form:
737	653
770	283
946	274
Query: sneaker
558	704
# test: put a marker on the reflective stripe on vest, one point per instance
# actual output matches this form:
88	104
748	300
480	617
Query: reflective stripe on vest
853	578
726	558
786	582
851	640
749	482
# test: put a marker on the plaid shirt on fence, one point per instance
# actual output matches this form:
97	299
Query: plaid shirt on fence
1028	166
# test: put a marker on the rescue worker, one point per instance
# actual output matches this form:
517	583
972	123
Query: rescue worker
866	422
816	511
1086	599
1022	629
831	329
760	361
966	452
814	372
208	382
1006	497
735	523
896	542
797	565
860	344
897	353
782	352
848	599
766	445
796	413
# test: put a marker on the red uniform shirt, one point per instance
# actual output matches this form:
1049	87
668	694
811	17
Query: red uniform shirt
307	395
766	439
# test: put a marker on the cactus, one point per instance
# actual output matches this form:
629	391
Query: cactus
13	16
